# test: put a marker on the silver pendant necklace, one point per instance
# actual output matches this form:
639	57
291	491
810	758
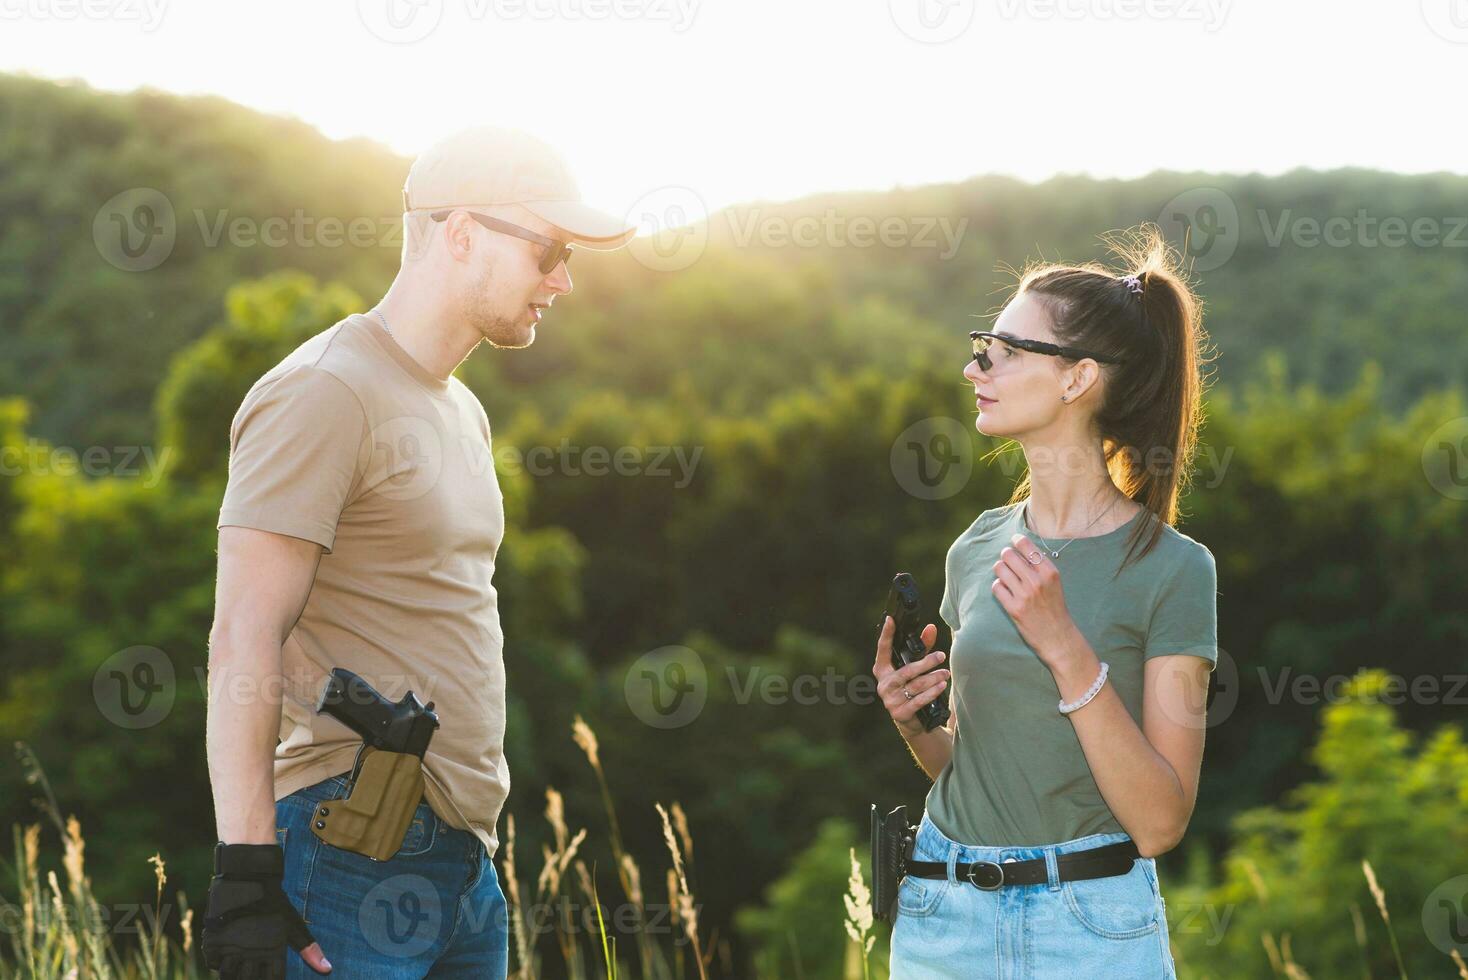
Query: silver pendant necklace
1055	552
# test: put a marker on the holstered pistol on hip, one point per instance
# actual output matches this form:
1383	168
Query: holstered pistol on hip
387	778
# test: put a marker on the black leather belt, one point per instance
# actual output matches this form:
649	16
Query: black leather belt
1098	862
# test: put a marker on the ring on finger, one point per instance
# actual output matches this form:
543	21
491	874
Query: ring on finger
908	694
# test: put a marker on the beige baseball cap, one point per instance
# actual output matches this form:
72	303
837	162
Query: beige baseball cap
490	165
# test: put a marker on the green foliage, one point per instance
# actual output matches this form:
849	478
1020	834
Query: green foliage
1296	869
797	932
88	343
209	379
95	567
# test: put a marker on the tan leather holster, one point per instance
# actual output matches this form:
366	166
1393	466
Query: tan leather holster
374	816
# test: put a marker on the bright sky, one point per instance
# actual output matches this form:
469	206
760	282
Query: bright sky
739	100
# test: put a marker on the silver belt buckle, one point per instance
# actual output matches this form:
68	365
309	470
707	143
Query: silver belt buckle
987	888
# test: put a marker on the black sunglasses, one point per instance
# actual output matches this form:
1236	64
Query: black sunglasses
555	252
982	342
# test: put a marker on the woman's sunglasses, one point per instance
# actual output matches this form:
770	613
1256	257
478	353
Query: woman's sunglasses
983	340
555	252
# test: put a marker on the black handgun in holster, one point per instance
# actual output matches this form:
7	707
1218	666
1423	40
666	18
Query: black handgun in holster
892	841
387	778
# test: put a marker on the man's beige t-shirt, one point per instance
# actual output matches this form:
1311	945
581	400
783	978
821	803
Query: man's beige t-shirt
351	443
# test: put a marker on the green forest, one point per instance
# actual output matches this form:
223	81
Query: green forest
765	374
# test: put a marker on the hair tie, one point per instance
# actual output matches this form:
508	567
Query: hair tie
1134	283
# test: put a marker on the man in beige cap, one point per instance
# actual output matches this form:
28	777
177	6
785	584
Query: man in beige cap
359	529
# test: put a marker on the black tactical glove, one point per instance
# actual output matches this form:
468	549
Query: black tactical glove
249	921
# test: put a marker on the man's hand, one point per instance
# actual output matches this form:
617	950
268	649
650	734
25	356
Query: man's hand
249	921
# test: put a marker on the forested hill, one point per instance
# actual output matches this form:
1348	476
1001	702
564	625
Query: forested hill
98	292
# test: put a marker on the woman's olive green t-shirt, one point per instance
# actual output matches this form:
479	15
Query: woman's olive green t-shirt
1018	775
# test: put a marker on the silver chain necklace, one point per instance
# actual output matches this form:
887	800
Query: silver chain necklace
1055	552
384	322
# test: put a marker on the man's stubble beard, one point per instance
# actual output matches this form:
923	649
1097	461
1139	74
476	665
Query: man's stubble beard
481	313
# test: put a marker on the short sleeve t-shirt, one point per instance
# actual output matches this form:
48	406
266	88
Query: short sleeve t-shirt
351	443
1018	774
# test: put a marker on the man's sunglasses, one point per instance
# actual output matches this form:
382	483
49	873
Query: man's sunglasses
555	252
983	340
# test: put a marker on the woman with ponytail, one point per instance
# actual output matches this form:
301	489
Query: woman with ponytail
1084	628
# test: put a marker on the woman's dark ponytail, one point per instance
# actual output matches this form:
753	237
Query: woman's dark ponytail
1153	401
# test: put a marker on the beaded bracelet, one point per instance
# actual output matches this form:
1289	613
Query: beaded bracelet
1066	709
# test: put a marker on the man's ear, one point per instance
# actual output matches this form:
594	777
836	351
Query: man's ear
458	232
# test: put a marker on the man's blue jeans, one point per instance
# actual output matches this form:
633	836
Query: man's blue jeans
434	909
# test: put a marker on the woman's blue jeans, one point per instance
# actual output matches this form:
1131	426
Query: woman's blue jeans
1097	927
434	909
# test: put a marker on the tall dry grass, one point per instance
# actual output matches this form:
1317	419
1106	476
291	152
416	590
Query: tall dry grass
60	933
65	934
551	901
